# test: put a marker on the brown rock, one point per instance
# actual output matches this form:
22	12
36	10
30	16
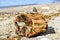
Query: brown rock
30	24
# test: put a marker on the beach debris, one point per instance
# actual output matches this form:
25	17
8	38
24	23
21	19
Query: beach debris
30	24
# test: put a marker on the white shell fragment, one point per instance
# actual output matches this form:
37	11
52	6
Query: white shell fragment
45	39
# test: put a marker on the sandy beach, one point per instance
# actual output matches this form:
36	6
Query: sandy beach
53	32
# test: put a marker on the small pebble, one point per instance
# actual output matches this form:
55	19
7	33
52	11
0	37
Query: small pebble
24	38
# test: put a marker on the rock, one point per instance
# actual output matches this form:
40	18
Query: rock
33	24
34	9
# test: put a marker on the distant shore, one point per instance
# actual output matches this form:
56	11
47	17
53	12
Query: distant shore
24	8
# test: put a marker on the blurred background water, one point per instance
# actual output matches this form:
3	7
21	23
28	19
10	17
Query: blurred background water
4	3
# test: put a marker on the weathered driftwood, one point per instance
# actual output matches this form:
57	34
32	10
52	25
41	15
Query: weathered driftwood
30	24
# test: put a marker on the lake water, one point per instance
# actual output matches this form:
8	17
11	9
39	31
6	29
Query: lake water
4	3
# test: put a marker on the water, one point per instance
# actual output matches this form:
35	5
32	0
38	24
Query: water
4	3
